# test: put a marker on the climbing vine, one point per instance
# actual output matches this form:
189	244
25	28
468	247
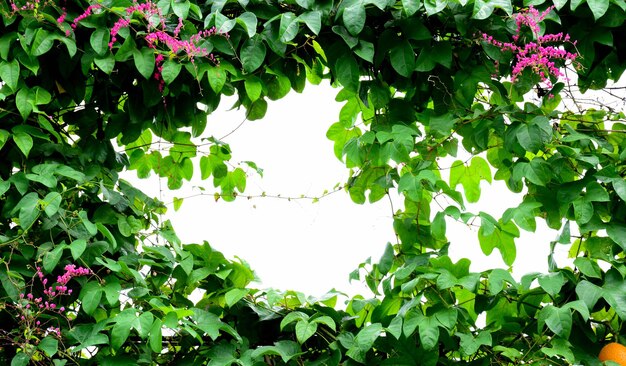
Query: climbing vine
91	274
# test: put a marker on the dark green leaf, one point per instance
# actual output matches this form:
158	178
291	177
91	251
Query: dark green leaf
10	73
252	53
49	345
171	69
347	71
403	58
106	64
90	295
99	40
144	61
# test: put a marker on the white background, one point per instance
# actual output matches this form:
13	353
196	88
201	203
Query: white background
301	245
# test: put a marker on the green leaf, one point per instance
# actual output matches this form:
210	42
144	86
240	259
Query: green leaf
51	203
99	40
410	6
386	261
552	283
120	332
24	102
252	53
438	226
617	233
347	70
614	292
395	327
484	8
207	322
313	20
588	267
326	320
304	330
223	24
598	7
28	210
156	337
292	317
254	88
583	211
365	50
181	8
91	228
558	320
345	35
112	290
588	293
402	58
470	177
619	184
52	257
106	64
233	296
354	18
177	202
217	78
78	247
248	22
171	69
143	323
90	296
497	278
289	26
144	61
24	142
502	238
42	42
10	73
470	344
4	137
257	109
285	349
49	345
429	332
20	359
364	341
434	6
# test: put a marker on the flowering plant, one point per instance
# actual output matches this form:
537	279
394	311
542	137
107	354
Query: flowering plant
42	311
541	54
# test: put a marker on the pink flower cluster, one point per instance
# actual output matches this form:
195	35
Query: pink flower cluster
147	9
157	31
530	18
536	56
85	14
28	6
158	74
31	306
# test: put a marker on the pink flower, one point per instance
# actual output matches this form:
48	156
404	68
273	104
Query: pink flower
85	14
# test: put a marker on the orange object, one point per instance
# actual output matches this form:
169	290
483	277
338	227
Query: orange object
613	352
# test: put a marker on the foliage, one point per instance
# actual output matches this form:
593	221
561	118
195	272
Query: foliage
80	78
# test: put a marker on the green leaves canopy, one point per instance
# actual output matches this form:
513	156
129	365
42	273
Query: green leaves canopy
416	81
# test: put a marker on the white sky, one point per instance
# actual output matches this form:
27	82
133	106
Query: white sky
305	246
